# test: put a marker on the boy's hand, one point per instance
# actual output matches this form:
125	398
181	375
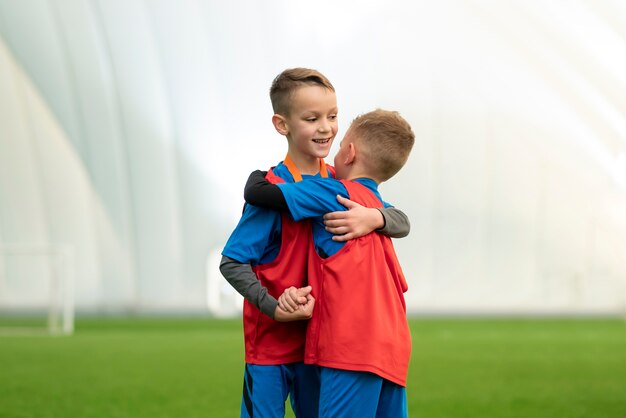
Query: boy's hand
354	222
304	311
292	298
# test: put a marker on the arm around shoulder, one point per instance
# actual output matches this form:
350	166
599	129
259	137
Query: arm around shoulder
260	192
359	220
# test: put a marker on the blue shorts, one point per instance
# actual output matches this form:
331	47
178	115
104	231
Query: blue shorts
349	394
265	390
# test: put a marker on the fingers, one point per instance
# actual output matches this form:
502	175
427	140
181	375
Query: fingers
342	231
307	308
292	298
282	304
302	293
341	214
288	301
331	216
297	296
346	202
335	222
304	311
338	230
344	237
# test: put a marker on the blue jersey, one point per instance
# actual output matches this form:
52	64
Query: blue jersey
257	237
316	198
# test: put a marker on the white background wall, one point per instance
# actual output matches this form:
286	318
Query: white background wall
128	128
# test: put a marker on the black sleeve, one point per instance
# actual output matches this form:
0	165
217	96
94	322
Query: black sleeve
260	192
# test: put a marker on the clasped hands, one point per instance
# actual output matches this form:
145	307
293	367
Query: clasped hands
295	304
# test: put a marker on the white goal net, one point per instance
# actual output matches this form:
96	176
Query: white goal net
36	288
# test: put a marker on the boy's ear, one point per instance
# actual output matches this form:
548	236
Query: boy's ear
280	124
351	154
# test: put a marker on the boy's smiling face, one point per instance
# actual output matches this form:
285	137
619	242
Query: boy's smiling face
312	123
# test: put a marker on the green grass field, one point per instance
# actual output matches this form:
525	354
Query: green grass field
188	368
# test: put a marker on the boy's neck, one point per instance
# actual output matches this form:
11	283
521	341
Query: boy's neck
358	172
306	164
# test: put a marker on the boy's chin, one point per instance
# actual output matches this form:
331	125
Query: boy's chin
320	154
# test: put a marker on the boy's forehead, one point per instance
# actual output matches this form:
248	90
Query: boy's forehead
313	97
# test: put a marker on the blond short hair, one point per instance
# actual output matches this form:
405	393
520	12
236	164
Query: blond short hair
385	140
287	82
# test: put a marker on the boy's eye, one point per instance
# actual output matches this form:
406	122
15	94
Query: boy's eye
332	117
311	119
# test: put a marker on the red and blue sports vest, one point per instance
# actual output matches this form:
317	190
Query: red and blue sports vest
268	342
359	321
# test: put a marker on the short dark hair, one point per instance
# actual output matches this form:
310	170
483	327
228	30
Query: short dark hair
289	81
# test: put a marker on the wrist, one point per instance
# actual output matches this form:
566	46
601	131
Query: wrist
381	221
280	315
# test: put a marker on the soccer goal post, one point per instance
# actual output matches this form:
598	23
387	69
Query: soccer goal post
36	288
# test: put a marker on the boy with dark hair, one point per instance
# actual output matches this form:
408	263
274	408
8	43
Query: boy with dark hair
358	332
267	252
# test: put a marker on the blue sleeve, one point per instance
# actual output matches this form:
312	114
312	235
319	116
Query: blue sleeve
257	237
312	198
